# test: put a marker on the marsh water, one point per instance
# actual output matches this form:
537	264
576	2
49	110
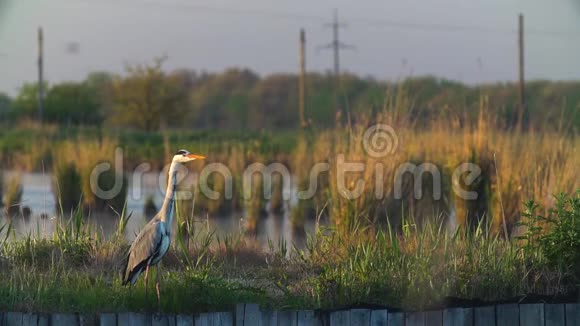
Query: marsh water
38	195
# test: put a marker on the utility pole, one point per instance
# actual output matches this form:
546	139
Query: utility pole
522	103
302	79
40	75
336	45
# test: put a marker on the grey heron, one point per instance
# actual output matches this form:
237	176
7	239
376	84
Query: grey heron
152	243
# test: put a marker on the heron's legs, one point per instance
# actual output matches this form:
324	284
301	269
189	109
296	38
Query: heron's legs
157	276
146	278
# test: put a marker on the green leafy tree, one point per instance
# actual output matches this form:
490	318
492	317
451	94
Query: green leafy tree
5	105
148	99
222	101
25	105
274	102
72	103
100	84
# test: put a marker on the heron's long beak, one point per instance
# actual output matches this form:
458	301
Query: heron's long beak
196	157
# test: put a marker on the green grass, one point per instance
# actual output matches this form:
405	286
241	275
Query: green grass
417	268
32	148
71	291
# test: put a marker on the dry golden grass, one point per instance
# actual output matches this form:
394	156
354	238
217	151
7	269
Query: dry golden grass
85	155
515	167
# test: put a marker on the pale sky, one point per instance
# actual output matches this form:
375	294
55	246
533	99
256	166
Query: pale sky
263	35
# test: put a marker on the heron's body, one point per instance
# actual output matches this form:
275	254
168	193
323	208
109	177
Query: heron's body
154	240
147	249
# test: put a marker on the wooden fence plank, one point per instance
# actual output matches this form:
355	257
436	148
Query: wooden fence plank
43	320
532	314
305	318
162	320
321	318
458	317
138	319
269	318
287	318
123	318
434	318
484	316
158	320
414	319
507	314
64	319
396	319
223	319
379	317
555	314
360	317
108	320
500	315
573	314
184	320
252	315
340	318
30	319
203	319
88	319
12	319
240	310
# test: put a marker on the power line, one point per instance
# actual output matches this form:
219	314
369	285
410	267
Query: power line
458	28
425	26
431	27
220	10
336	45
40	75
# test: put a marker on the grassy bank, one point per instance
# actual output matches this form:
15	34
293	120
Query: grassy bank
30	147
388	246
419	267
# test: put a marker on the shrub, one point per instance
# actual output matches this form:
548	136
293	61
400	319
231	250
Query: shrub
68	188
13	196
554	238
561	244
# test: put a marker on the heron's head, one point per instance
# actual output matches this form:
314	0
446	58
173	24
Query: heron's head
183	156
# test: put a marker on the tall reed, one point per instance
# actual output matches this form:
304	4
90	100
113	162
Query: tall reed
67	187
87	156
13	196
512	166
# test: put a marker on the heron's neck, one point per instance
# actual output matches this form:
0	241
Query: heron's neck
166	213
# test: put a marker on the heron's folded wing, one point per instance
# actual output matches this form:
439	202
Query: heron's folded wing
144	247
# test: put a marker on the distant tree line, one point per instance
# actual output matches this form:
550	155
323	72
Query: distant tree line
148	98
